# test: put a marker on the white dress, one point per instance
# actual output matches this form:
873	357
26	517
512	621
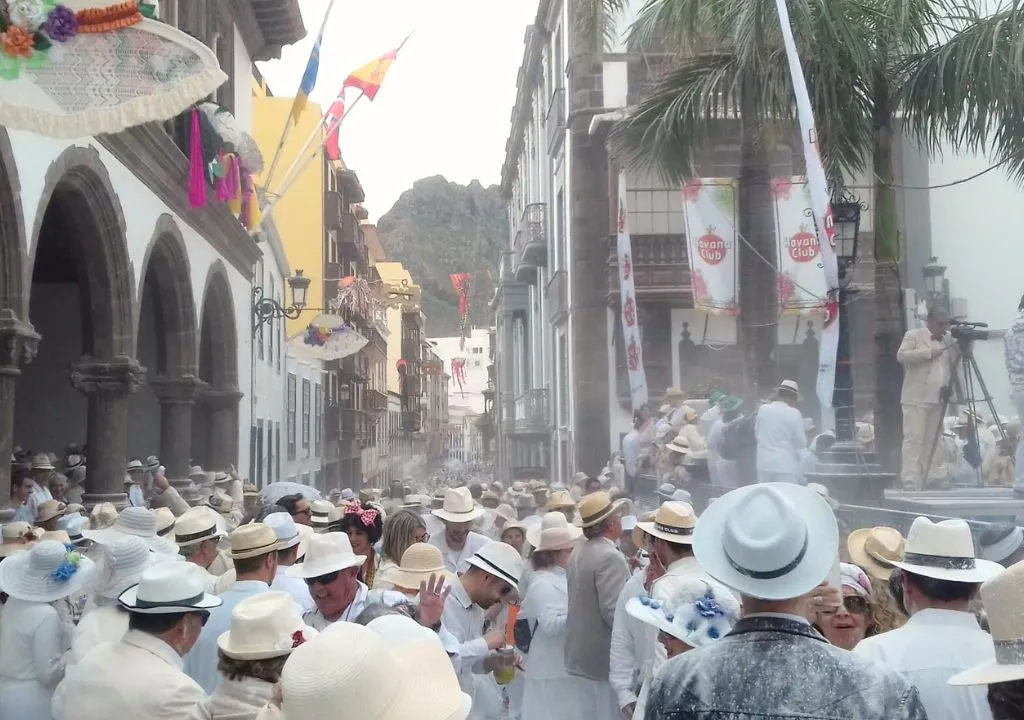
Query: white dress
33	644
548	692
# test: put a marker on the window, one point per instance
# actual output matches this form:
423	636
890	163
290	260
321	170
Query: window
478	351
318	419
291	416
655	211
305	414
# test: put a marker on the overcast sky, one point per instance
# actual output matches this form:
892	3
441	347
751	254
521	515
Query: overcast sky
445	105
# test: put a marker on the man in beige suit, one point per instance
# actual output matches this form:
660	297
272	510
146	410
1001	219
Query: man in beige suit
928	359
596	574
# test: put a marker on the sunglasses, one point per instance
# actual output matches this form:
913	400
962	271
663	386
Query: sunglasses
323	579
855	605
307	511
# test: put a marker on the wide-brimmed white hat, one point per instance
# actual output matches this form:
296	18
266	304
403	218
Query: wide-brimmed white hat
458	506
500	560
252	540
349	672
325	554
1001	596
944	550
137	522
195	526
121	565
266	625
553	533
773	541
169	587
674	522
48	571
876	550
288	531
688	608
419	562
598	506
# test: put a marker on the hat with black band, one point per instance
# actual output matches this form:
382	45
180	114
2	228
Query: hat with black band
195	526
500	560
596	507
945	551
674	522
168	588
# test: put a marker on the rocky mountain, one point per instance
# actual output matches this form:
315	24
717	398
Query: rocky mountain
438	228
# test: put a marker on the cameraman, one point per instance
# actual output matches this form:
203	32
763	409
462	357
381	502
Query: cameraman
1014	355
928	368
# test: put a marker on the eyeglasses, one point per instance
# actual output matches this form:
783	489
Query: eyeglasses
304	511
323	579
203	616
855	605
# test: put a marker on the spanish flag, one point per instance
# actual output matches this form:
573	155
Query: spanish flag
312	69
369	77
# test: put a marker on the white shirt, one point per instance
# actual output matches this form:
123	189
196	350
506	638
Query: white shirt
296	587
632	644
464	619
781	438
37	497
457	561
201	662
136	498
933	646
632	450
708	420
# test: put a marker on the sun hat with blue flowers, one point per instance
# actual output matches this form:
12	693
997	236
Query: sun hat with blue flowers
49	571
694	610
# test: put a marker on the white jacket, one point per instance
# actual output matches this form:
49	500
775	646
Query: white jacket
781	438
235	700
546	608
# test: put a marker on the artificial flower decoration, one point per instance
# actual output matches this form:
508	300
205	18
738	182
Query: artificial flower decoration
297	639
708	606
28	29
67	569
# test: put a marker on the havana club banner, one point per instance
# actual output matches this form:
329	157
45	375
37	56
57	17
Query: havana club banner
627	291
709	218
800	280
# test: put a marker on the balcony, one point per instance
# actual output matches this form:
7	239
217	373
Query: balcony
660	269
555	120
411	420
333	210
558	297
351	234
527	414
531	245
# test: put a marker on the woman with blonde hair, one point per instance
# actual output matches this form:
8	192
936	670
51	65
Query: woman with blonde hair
401	530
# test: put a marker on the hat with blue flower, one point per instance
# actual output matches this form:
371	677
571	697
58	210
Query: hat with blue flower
691	609
51	570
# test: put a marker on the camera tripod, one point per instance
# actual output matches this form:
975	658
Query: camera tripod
966	378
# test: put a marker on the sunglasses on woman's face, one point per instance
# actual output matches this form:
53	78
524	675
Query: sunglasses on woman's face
855	605
323	579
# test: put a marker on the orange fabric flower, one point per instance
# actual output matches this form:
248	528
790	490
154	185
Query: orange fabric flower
17	42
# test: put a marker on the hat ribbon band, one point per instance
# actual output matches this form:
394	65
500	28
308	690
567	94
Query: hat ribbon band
670	530
1009	652
208	532
166	531
598	515
769	574
187	602
943	562
498	572
264	548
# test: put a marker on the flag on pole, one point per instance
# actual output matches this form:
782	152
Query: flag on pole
369	77
821	207
309	76
632	341
333	123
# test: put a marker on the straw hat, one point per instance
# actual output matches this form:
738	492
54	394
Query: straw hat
267	625
135	521
103	515
458	506
222	478
553	533
123	562
681	445
196	526
560	499
252	540
500	560
327	553
348	672
773	541
673	522
41	461
419	562
596	507
47	572
673	392
169	587
49	510
945	551
165	520
1001	596
17	536
875	550
790	386
690	609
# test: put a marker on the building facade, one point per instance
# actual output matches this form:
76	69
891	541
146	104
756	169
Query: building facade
105	269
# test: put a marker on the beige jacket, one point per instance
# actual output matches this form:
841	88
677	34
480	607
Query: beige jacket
596	574
138	678
927	367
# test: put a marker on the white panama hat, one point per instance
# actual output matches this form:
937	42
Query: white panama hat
773	541
1001	596
688	608
326	553
945	551
136	522
349	672
500	560
286	530
674	522
195	526
553	533
458	506
47	572
266	625
166	588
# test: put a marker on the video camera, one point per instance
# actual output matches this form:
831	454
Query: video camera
967	331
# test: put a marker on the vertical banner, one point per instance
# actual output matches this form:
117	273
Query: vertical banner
627	291
821	208
800	283
709	218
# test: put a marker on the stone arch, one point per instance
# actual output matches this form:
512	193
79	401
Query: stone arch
12	233
166	265
218	344
78	187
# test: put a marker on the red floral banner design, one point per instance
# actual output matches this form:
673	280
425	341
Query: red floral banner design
627	291
709	220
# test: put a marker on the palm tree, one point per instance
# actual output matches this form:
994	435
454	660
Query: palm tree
866	63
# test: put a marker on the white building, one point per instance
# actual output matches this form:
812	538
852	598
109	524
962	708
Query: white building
464	442
475	355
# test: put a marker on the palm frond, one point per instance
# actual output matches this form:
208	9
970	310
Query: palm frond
596	22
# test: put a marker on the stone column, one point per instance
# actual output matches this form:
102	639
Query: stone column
107	384
18	345
223	404
177	397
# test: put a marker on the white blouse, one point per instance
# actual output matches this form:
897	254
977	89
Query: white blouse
33	644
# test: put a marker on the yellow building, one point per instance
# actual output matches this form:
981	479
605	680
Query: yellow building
299	214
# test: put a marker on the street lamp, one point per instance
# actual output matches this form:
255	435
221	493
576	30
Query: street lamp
266	310
846	211
935	283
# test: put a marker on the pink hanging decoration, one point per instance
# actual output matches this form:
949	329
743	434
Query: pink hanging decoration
196	166
222	184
